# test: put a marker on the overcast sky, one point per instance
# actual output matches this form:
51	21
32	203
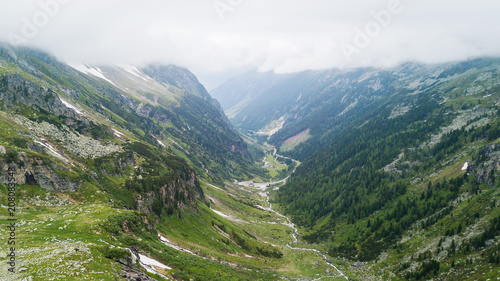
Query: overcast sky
217	38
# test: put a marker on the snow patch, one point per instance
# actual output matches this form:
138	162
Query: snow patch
69	105
95	71
221	214
143	261
117	133
300	96
466	165
151	262
168	243
134	71
160	142
51	149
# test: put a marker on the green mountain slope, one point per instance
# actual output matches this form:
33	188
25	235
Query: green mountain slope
114	165
383	165
101	160
382	150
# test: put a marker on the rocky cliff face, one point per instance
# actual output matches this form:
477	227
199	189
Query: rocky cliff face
16	90
486	164
37	171
179	194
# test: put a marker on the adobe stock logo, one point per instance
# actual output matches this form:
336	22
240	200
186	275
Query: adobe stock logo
225	6
372	29
41	18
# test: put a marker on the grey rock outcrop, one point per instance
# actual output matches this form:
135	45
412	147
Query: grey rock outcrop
177	194
487	164
74	142
36	172
15	89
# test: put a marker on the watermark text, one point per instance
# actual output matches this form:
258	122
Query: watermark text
11	220
222	7
364	36
31	26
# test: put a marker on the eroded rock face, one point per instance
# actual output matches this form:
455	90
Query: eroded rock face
36	172
486	166
134	275
181	188
177	194
146	110
239	148
15	89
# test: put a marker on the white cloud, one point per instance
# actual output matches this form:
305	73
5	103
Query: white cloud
279	35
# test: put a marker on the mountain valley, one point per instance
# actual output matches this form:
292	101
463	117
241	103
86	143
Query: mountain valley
121	172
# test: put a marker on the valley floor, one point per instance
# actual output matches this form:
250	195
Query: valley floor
246	205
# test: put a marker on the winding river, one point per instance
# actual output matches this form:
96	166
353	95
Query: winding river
264	187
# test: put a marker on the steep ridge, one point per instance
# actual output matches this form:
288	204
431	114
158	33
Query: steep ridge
100	158
104	126
170	113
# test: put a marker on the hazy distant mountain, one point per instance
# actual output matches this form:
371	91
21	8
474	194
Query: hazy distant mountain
238	91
